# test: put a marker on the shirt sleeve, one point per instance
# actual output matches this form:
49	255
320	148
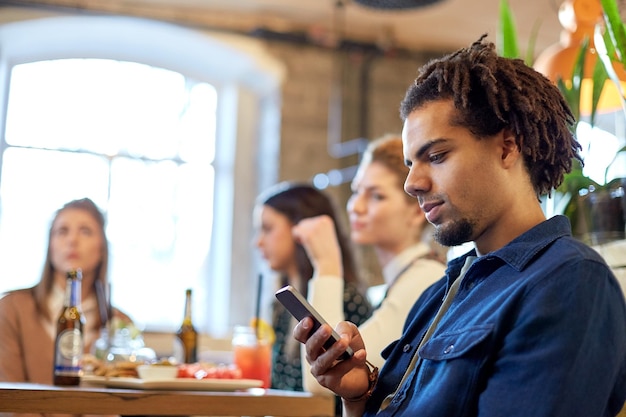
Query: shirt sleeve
11	357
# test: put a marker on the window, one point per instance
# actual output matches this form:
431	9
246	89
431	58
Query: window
145	159
129	113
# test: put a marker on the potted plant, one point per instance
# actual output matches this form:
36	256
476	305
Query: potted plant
597	211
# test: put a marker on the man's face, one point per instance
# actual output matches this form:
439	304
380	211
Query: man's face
454	175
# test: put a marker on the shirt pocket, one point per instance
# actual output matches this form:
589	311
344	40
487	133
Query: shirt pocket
452	366
455	344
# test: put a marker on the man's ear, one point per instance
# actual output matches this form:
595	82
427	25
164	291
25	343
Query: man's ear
511	149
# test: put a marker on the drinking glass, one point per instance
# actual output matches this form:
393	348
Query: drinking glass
252	355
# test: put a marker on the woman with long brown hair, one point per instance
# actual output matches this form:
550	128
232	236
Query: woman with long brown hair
28	316
278	210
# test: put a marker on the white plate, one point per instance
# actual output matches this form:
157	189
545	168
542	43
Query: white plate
184	384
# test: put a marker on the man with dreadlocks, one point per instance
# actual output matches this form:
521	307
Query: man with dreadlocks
529	323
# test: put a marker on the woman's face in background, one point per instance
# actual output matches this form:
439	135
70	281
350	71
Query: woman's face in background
76	242
275	239
380	212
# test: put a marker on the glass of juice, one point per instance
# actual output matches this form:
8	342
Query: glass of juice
252	354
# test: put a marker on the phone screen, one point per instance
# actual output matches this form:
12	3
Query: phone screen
300	308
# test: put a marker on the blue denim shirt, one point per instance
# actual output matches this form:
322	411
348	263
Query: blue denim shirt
537	328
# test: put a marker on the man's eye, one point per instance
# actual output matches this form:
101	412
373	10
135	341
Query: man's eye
436	157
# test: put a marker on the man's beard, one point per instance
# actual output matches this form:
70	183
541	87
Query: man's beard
454	234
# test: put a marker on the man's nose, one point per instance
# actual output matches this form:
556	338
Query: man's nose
416	182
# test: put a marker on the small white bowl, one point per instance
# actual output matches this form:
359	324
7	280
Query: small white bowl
152	372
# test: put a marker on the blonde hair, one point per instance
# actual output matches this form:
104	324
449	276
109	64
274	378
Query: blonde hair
387	151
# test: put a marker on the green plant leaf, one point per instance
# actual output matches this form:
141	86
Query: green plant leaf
532	41
615	28
571	93
575	180
606	53
572	98
604	44
506	39
599	78
578	72
606	170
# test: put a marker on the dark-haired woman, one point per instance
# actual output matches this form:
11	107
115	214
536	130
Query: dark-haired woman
278	211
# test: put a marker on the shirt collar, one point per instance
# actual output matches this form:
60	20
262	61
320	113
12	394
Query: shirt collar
401	262
519	252
522	249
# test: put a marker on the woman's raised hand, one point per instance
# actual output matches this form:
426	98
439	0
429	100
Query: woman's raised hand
318	237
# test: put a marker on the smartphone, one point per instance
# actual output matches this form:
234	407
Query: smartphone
300	308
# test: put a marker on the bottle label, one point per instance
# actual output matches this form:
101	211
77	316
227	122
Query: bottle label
69	352
75	295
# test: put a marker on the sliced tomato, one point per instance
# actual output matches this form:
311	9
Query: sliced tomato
208	371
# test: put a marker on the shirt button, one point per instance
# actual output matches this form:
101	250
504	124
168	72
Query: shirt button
448	349
406	348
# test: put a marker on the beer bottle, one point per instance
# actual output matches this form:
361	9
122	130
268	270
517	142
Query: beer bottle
68	345
187	334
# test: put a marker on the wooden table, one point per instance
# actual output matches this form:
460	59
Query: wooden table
36	398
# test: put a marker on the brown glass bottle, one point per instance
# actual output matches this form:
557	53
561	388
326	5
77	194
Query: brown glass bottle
68	345
187	334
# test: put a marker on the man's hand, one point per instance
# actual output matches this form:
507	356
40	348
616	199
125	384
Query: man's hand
347	378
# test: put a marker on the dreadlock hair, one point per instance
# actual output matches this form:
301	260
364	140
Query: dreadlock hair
491	93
